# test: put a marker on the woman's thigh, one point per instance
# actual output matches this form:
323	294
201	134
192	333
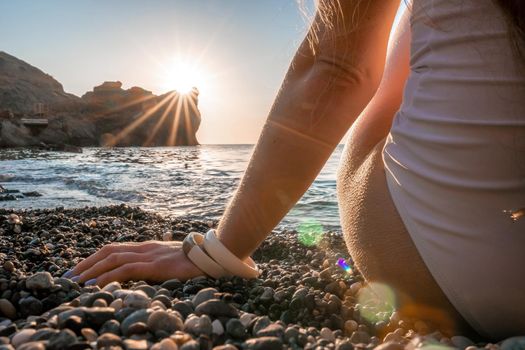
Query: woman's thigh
379	244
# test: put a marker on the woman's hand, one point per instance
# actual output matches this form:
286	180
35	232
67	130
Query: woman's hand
150	261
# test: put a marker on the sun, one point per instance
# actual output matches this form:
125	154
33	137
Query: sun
182	76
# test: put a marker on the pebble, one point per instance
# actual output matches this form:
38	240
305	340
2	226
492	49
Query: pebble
203	326
263	343
61	340
165	344
167	236
350	326
132	344
171	284
22	337
89	334
30	306
217	327
116	304
235	328
355	287
111	287
191	345
309	309
40	280
137	300
460	342
7	309
514	343
246	318
260	323
32	345
204	295
327	334
140	315
107	340
164	321
183	308
272	330
390	345
359	337
216	308
9	266
267	295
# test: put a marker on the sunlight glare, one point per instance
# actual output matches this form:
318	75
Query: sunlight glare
182	76
310	232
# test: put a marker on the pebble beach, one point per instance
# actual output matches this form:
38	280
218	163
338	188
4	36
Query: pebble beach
303	298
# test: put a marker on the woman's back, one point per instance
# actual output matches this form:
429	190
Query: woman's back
455	159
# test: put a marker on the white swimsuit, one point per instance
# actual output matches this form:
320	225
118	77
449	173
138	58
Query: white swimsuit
455	159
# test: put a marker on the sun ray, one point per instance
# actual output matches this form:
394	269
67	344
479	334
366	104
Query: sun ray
161	120
174	126
187	119
128	129
128	104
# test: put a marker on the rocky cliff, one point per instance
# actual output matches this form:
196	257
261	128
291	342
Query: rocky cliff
106	116
23	86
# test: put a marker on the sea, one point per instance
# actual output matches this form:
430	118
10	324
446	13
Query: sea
192	182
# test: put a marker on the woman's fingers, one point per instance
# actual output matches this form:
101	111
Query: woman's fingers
111	262
133	261
104	252
135	271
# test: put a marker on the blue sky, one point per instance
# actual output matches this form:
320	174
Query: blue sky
241	47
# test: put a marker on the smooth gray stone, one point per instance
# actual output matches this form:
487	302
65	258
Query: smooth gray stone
204	295
40	280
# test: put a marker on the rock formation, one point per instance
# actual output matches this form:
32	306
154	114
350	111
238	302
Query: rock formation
23	86
106	116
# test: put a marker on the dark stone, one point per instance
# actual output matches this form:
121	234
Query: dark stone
30	306
7	331
172	284
43	334
216	308
235	328
32	194
183	308
140	315
111	326
61	340
97	316
191	345
108	297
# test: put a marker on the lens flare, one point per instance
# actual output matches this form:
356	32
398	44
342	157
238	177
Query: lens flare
516	214
310	233
377	302
342	264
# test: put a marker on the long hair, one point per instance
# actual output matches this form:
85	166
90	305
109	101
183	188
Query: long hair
514	11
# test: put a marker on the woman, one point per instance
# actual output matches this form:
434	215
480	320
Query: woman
421	197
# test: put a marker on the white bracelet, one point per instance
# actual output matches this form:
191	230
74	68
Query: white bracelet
221	254
192	248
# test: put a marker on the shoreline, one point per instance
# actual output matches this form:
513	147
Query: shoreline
301	300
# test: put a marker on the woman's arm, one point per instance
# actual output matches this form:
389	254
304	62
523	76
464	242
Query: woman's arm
323	93
375	121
